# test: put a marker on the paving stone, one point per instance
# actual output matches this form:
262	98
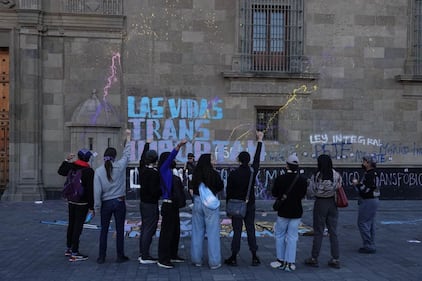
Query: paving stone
30	250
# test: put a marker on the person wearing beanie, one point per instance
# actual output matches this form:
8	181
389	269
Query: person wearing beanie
291	187
150	192
237	188
78	210
368	189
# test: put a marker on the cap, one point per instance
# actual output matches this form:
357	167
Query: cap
190	155
370	159
84	154
293	160
151	156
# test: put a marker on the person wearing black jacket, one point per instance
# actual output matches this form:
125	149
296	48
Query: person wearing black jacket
289	214
237	188
149	179
78	210
368	204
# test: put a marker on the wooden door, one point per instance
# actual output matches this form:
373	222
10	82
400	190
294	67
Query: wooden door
4	118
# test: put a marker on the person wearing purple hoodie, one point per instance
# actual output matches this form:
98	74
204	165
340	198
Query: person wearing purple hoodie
168	242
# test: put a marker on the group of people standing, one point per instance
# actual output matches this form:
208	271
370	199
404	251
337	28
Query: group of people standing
322	186
105	191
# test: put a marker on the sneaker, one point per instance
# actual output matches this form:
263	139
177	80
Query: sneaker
277	264
147	260
78	257
365	250
312	262
177	259
122	259
216	266
165	264
231	261
289	267
197	264
100	260
68	252
335	263
255	261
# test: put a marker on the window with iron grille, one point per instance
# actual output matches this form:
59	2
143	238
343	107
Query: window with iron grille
417	38
267	121
271	35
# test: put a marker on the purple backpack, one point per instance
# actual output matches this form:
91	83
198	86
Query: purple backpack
73	189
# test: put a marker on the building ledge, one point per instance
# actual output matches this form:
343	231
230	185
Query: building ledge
271	83
408	78
270	75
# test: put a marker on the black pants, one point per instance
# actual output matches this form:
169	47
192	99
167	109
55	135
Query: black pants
237	224
149	216
168	244
77	215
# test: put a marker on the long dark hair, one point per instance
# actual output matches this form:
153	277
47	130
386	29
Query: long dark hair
203	171
325	167
109	157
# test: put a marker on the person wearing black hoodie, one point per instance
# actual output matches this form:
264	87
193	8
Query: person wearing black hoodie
80	208
149	179
237	188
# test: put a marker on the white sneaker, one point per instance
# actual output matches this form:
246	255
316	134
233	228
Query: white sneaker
216	266
147	260
289	267
277	264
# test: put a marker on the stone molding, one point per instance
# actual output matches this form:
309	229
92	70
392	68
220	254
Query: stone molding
7	4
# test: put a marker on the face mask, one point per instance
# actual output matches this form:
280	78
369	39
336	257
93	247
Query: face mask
363	166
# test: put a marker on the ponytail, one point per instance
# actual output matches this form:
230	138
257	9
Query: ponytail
109	156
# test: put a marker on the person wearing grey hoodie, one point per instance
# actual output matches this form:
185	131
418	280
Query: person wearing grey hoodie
109	198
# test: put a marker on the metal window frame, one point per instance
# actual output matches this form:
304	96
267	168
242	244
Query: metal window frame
269	124
290	61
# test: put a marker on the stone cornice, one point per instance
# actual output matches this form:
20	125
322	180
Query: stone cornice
58	24
89	22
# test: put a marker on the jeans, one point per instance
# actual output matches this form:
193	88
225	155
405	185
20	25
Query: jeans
168	243
237	223
286	236
325	214
207	221
149	215
77	215
366	221
116	207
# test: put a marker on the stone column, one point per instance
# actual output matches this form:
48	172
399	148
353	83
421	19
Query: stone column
26	181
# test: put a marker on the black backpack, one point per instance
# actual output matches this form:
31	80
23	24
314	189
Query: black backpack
73	189
178	195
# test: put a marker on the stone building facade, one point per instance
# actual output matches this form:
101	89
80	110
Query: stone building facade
318	76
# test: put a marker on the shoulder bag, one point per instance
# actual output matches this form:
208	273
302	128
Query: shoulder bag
280	200
237	208
208	198
341	198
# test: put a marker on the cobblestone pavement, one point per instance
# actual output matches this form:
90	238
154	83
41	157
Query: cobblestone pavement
30	250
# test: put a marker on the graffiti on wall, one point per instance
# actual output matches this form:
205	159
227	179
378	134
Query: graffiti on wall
165	121
354	147
168	117
395	183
